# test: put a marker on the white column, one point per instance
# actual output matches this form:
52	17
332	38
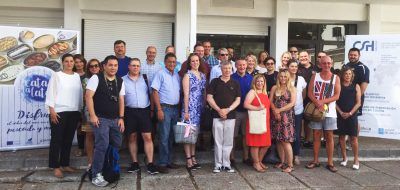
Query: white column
279	30
72	15
185	27
374	19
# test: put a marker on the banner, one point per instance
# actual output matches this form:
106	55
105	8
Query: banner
28	57
381	111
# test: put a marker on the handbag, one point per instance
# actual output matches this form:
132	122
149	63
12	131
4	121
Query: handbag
312	113
185	133
257	120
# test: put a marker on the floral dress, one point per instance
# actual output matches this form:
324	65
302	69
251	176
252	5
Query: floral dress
283	130
196	97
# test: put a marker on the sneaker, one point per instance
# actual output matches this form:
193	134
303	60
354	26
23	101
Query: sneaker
172	166
99	181
151	169
134	167
217	169
307	144
229	170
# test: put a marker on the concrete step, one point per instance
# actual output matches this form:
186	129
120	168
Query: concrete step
37	159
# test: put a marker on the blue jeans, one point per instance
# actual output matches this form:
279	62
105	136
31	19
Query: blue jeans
166	135
297	132
107	133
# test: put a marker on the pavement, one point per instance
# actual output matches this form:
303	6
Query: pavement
379	169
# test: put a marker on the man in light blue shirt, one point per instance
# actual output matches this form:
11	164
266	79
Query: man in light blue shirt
150	67
166	91
137	115
216	70
171	49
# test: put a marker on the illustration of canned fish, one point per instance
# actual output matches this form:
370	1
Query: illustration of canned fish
10	73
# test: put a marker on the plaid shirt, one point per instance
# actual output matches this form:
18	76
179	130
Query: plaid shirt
211	60
150	70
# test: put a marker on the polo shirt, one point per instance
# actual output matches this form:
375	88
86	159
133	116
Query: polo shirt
245	86
123	66
136	92
224	94
168	86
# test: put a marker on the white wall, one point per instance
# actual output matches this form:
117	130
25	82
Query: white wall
261	9
390	17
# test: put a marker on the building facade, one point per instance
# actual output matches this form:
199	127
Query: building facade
246	25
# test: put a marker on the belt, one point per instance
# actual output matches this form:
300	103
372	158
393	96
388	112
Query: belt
169	105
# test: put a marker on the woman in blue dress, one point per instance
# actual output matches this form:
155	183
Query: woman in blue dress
193	84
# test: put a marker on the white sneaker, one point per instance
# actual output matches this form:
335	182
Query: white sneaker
356	166
217	169
99	181
229	170
343	163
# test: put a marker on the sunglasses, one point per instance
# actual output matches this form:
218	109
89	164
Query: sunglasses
293	51
94	66
223	54
269	63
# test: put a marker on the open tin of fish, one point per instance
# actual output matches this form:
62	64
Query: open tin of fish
19	52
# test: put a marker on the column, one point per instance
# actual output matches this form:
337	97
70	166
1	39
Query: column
73	18
279	30
185	27
374	19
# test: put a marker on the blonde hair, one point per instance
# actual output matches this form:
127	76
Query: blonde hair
254	82
289	85
254	58
288	54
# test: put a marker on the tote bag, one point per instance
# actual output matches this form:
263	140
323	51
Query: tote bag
257	120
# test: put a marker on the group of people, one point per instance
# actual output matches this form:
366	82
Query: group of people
122	97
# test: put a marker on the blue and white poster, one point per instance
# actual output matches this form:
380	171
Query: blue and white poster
381	111
28	57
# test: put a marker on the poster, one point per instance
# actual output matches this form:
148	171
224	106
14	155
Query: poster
28	57
381	109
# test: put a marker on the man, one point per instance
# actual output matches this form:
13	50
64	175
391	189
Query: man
306	70
244	79
166	91
150	68
137	116
208	57
294	52
231	53
223	95
324	93
216	70
105	101
361	73
171	49
123	60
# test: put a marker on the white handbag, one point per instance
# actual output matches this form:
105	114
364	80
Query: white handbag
258	120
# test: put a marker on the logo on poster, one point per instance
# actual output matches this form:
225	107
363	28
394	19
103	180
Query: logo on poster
381	131
365	45
35	87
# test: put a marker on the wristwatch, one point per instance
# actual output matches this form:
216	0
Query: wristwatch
121	117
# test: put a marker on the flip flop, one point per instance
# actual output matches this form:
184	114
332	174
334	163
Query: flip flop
331	168
312	165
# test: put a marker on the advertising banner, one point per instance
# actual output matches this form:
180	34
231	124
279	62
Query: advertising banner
380	53
28	57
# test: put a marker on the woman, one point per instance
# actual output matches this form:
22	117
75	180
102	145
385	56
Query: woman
300	84
92	68
258	143
64	98
347	105
284	60
252	65
193	84
260	64
283	98
271	74
80	68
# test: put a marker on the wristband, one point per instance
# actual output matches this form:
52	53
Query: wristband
121	117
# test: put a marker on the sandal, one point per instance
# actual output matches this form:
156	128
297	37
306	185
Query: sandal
288	169
190	166
331	168
312	165
263	166
195	164
279	165
258	167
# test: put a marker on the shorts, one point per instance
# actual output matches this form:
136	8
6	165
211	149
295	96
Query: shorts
137	120
328	124
240	123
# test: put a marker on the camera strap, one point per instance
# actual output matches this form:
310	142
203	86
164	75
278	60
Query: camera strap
110	92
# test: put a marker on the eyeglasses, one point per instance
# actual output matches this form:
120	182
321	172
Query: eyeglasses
94	66
293	51
270	63
222	54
